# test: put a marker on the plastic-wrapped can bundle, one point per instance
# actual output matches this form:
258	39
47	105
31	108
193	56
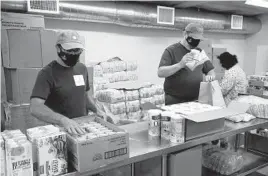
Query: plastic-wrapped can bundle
225	162
133	106
135	115
132	75
98	72
159	99
154	122
117	108
132	95
146	92
111	96
132	65
177	129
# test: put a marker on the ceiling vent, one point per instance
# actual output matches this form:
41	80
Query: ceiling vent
43	6
237	22
165	15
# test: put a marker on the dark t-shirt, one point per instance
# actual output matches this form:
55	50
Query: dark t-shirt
63	89
184	84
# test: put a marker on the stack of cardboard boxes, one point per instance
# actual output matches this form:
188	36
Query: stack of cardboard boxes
24	53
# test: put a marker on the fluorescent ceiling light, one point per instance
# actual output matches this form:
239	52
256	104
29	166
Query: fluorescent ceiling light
260	3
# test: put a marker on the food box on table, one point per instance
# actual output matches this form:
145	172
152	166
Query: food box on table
18	152
103	144
49	150
2	157
203	119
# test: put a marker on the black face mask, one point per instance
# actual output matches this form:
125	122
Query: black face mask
192	42
71	58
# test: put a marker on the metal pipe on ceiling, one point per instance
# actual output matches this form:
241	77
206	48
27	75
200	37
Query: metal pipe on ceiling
133	14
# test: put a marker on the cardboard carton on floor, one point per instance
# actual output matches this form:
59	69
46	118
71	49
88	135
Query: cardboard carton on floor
20	83
21	48
91	154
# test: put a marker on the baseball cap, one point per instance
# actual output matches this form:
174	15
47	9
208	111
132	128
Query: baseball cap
195	30
70	40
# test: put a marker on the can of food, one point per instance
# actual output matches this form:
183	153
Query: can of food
154	122
177	129
165	124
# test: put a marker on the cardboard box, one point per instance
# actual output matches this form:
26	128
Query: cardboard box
20	83
22	21
19	117
257	143
256	83
253	91
21	48
92	154
210	122
48	44
2	157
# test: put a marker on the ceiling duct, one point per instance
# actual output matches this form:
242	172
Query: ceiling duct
133	14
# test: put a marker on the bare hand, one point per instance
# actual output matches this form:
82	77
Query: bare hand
105	116
72	126
209	78
186	58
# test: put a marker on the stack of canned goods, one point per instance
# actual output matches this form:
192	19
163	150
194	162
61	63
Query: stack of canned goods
167	125
94	130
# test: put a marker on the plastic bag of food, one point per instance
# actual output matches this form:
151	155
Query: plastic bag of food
110	77
158	89
258	106
117	108
132	65
146	92
132	75
245	117
120	76
110	96
135	115
132	95
223	161
159	99
98	72
133	106
147	100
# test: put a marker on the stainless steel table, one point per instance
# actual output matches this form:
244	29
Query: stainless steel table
143	148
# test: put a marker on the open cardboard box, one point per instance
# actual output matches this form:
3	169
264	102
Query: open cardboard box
92	154
209	122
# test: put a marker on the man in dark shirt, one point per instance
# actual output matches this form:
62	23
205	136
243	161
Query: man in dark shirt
61	88
182	84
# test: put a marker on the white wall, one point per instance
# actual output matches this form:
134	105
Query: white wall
104	41
256	50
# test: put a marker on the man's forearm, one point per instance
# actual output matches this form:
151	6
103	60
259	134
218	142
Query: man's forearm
92	104
42	112
211	73
166	71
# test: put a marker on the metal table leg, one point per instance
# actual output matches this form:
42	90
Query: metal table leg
164	165
132	169
237	141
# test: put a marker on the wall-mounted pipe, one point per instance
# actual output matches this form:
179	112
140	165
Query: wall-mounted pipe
133	14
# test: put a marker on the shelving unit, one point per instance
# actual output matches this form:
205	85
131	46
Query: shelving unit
252	163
